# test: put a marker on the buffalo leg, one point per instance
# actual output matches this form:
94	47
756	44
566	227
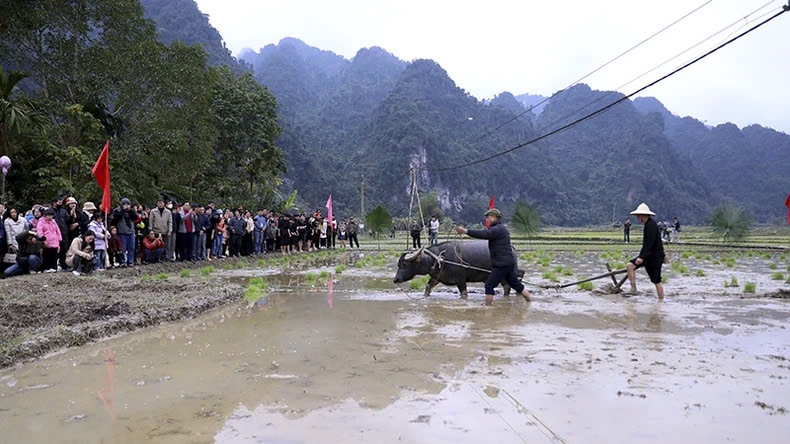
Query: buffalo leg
506	288
462	289
429	286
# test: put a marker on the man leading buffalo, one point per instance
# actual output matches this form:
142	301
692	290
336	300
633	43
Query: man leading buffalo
503	263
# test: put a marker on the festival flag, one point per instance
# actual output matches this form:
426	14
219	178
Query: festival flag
329	209
787	204
490	206
101	171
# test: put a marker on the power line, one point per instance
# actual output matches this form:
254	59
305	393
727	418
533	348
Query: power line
610	93
607	107
683	17
594	71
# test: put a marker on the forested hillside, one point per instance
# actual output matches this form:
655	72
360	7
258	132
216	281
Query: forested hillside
377	116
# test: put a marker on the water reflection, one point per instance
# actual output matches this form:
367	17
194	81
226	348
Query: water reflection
106	391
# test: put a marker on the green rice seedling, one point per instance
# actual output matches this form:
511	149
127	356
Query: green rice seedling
545	261
262	263
788	268
419	283
700	273
664	279
730	262
750	254
324	275
551	276
340	269
146	278
734	282
749	287
683	269
258	282
586	286
310	277
772	266
716	262
686	255
185	273
205	271
767	255
787	281
558	269
240	264
227	267
618	265
161	276
252	293
567	271
778	276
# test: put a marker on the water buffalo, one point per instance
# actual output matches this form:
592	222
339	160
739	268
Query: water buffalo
422	262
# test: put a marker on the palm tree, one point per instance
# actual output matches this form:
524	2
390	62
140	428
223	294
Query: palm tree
526	218
16	116
730	222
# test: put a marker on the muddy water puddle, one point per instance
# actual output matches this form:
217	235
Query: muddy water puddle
360	361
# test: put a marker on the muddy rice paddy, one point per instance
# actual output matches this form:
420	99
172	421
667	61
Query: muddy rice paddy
349	357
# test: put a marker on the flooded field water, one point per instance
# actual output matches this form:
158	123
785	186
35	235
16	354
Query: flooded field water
358	360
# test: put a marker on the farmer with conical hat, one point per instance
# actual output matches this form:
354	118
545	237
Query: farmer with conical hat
652	254
503	262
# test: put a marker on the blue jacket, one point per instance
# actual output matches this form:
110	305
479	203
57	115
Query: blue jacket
238	227
261	223
498	244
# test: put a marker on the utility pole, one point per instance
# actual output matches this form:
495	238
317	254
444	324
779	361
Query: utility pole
362	198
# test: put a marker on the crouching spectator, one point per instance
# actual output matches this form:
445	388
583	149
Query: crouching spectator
153	248
28	256
100	244
80	254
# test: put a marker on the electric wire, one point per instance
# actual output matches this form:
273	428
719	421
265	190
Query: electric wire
617	57
626	97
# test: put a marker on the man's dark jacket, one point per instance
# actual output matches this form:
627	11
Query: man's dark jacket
498	244
652	247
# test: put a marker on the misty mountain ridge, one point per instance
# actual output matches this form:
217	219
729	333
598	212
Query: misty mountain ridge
376	115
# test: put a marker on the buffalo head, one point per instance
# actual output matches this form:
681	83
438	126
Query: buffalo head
412	264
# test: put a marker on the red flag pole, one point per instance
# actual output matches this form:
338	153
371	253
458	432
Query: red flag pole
101	171
490	207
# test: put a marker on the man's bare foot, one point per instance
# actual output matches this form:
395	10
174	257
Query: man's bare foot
489	299
526	295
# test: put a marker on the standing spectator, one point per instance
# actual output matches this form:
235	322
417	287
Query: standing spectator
249	227
49	230
100	240
627	230
14	225
271	233
123	218
171	239
60	218
352	229
72	219
115	248
186	232
416	234
260	227
80	254
342	235
238	227
28	257
332	233
3	239
161	223
676	233
199	249
219	233
38	213
86	216
153	248
433	230
208	226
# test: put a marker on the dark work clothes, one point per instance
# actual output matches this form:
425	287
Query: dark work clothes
652	247
508	274
498	244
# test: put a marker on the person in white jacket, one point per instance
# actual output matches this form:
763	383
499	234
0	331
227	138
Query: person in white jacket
433	230
14	225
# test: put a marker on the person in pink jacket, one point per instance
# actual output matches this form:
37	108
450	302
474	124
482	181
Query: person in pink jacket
48	228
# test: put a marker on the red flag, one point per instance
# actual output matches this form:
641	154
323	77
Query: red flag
101	171
787	204
490	206
329	208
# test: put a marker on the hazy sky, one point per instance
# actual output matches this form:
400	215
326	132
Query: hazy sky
540	46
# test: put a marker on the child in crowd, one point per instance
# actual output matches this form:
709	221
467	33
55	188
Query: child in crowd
48	229
101	234
115	248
